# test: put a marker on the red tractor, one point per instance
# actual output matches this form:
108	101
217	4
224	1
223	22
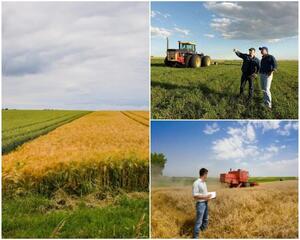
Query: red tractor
186	56
237	178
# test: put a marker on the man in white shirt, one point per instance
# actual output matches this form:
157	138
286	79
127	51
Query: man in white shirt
201	197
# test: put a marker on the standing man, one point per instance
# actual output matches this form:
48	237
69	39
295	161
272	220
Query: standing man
268	66
201	197
249	69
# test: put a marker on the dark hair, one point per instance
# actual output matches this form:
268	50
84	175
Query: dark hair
203	171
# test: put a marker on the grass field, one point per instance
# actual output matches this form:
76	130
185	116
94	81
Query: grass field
212	92
269	210
80	170
19	126
40	217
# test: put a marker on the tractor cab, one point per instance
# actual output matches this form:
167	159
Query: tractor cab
187	46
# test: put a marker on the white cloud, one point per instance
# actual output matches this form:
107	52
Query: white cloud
75	55
160	32
284	167
249	20
274	40
267	125
159	14
211	129
183	31
223	6
287	128
164	32
268	153
153	14
238	146
209	35
250	132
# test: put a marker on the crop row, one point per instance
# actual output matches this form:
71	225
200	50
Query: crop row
13	137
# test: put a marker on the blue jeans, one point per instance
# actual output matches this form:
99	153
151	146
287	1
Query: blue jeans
201	218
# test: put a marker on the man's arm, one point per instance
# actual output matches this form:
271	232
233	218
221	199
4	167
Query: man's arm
197	195
202	197
274	64
239	54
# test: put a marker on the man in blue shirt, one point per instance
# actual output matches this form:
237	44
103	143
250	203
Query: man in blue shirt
250	68
267	67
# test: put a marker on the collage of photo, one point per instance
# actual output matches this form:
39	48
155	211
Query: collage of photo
150	119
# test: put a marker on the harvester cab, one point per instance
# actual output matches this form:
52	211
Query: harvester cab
186	56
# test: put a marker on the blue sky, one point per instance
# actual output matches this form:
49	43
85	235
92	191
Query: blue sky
75	55
265	148
218	27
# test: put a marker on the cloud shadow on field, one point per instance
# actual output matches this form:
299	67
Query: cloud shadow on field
200	86
158	65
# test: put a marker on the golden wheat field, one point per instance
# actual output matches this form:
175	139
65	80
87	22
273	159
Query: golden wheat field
269	210
101	149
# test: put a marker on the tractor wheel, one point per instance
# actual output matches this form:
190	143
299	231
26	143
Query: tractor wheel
206	61
167	63
246	184
187	60
195	61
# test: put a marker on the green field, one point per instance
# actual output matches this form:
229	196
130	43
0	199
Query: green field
19	126
212	92
35	216
163	181
270	179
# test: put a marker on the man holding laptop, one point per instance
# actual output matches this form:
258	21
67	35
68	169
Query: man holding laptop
201	197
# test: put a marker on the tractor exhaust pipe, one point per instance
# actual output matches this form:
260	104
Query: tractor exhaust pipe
167	43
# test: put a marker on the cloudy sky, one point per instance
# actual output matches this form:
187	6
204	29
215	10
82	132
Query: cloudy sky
218	27
75	55
264	148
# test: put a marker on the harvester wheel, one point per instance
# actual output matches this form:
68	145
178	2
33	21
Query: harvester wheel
206	61
187	60
195	61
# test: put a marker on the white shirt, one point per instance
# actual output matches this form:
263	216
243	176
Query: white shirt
199	188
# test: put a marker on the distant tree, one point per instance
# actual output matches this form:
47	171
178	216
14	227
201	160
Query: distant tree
158	162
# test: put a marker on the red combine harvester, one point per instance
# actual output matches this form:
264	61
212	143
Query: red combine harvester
237	178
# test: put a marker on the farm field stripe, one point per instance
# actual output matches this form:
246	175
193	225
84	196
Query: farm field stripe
134	119
35	123
138	115
65	119
20	139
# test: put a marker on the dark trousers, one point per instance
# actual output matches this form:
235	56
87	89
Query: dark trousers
247	78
